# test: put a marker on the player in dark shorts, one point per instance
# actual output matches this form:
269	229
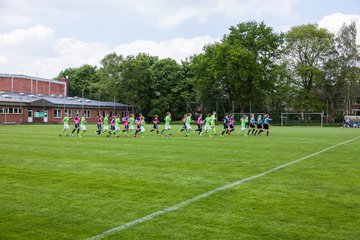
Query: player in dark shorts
126	124
225	121
184	122
156	122
267	119
199	123
99	124
259	128
112	126
252	124
231	124
76	125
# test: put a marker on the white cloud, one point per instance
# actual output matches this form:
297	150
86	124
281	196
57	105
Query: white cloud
172	13
35	51
177	48
3	60
335	21
20	37
13	19
161	13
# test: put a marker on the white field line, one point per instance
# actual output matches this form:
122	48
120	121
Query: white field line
211	192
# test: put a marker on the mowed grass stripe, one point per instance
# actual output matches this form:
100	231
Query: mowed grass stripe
317	199
74	188
209	193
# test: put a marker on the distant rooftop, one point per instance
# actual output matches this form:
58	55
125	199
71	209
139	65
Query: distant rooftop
29	77
54	100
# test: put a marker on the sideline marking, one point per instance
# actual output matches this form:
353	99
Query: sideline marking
204	195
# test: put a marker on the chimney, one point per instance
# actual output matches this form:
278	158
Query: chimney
66	88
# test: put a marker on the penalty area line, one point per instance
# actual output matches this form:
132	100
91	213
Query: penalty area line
211	192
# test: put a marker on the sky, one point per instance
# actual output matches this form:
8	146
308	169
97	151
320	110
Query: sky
43	37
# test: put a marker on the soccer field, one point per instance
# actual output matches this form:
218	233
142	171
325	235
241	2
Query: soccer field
78	188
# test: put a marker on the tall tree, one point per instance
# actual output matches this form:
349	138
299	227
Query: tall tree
349	61
80	79
137	81
240	68
307	49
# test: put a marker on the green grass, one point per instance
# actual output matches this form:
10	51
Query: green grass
75	188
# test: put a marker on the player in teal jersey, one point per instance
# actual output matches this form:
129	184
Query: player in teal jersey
117	126
66	125
82	125
212	123
131	124
207	127
188	126
167	124
267	119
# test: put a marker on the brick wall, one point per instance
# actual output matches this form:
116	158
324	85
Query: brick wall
23	118
5	84
31	86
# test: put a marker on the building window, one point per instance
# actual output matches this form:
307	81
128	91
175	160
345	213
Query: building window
68	111
77	112
10	110
87	113
57	113
357	102
17	110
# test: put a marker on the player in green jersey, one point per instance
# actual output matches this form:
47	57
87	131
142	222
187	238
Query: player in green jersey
131	124
188	126
66	125
244	121
82	125
117	126
106	123
207	127
167	124
213	124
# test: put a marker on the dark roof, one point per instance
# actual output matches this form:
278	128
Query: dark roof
53	100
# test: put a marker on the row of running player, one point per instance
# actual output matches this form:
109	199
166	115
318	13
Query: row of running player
256	127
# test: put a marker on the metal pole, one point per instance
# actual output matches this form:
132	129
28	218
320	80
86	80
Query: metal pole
233	107
82	101
217	110
250	107
99	103
22	112
327	111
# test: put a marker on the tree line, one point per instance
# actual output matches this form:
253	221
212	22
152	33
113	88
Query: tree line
251	69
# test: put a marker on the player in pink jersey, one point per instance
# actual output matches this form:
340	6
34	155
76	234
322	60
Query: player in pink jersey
76	125
125	121
184	122
99	124
199	122
112	126
231	124
156	122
